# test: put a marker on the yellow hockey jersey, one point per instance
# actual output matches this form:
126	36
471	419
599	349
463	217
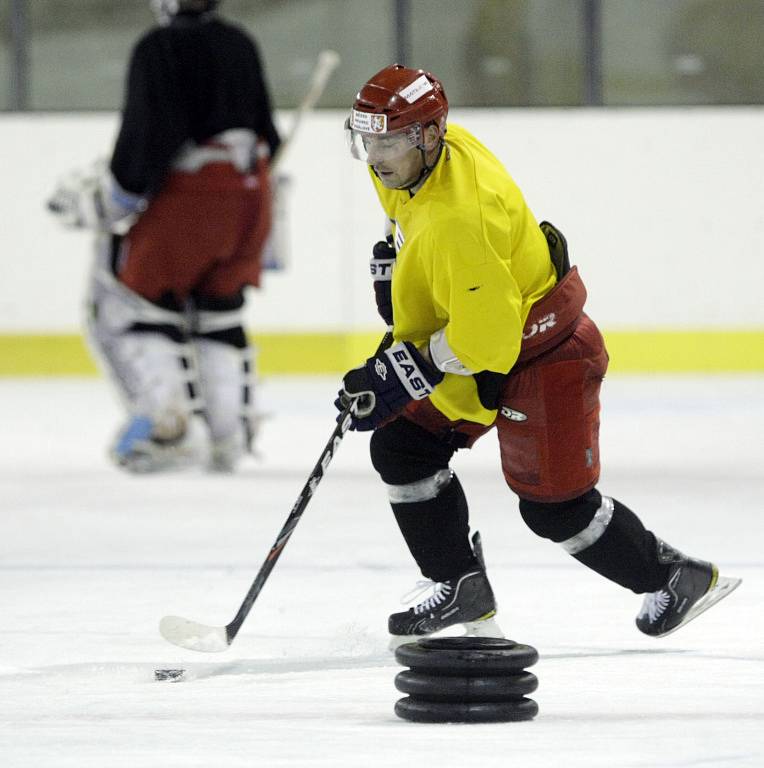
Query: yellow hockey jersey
471	260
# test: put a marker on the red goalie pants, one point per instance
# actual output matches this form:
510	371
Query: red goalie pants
203	233
548	419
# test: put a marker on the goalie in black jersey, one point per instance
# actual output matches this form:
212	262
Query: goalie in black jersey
184	210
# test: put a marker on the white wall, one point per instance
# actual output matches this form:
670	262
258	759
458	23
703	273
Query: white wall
663	209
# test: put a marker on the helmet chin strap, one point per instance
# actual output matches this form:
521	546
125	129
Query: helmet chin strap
426	169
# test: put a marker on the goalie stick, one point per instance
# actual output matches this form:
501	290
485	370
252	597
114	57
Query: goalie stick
209	639
328	61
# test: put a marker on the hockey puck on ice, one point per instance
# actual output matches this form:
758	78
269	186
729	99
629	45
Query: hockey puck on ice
423	711
466	656
471	689
174	675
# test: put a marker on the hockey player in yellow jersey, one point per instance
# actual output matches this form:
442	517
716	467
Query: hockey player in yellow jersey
488	332
473	254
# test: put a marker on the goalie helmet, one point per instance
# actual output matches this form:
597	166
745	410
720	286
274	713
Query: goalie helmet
164	10
396	105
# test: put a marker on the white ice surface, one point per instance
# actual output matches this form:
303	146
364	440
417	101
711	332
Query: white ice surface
91	559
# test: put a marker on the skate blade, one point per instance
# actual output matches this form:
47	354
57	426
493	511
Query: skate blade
724	586
481	628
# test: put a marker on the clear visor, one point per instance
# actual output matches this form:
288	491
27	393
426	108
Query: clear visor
374	148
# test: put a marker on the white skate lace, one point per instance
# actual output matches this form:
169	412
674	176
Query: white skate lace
441	590
654	605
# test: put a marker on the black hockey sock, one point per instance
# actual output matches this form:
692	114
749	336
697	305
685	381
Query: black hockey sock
626	553
437	532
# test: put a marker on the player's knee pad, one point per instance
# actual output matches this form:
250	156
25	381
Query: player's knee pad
575	525
403	452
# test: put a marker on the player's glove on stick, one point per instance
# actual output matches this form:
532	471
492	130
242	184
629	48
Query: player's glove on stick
381	268
385	384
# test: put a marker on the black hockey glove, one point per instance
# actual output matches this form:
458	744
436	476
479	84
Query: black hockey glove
381	268
385	384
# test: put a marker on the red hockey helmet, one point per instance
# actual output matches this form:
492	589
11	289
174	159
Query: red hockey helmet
397	103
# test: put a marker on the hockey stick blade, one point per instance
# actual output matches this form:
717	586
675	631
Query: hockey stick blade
201	637
193	636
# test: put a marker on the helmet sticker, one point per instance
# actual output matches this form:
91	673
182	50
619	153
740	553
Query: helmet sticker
418	88
368	122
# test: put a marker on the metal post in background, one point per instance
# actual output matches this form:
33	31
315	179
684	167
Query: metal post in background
19	85
402	33
592	52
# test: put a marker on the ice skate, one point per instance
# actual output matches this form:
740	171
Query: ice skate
142	448
693	586
465	602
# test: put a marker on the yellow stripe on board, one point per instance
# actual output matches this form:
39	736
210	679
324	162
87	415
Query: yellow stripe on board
630	352
685	351
37	355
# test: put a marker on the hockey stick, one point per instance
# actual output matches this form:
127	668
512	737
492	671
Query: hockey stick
328	61
201	637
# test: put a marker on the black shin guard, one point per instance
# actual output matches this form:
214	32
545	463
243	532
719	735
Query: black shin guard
626	553
437	532
604	535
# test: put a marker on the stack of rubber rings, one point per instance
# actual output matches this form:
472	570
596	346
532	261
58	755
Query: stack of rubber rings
466	680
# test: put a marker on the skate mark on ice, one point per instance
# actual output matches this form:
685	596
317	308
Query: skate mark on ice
144	671
292	666
584	653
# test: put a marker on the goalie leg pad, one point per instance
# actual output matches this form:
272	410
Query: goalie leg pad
145	350
226	377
